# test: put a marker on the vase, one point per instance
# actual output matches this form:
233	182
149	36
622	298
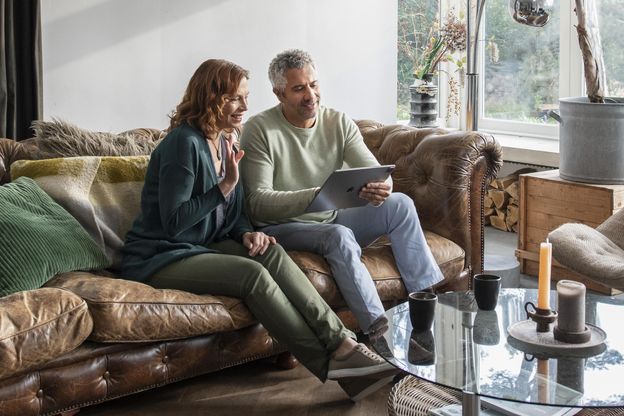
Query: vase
423	102
591	140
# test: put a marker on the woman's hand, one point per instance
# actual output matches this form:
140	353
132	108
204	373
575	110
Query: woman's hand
257	242
232	156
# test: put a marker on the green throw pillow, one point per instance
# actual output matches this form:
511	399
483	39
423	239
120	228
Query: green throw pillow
39	239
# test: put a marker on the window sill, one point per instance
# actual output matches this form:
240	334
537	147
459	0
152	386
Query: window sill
529	150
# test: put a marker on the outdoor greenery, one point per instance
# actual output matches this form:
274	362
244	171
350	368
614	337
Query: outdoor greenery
611	17
521	67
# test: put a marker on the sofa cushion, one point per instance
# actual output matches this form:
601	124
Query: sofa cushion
589	252
39	325
39	239
102	193
379	261
128	311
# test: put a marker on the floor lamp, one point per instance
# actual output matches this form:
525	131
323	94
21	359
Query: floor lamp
534	13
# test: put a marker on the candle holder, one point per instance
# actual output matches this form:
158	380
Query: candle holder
534	335
542	317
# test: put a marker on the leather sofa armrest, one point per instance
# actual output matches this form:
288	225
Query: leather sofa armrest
445	173
10	151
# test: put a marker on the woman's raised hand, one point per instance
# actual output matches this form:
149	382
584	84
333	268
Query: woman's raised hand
233	155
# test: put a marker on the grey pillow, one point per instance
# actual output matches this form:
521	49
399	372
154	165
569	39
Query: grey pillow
58	138
589	252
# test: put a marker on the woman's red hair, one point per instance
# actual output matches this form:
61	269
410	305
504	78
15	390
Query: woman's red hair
204	97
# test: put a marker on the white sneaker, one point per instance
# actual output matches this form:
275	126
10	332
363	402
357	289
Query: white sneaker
360	361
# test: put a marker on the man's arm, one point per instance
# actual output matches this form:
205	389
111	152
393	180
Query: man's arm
263	201
357	154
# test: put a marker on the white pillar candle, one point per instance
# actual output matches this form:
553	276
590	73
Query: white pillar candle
571	306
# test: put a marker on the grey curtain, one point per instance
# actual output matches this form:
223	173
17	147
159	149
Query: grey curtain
20	67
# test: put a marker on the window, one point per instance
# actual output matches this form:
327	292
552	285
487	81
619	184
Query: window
525	70
611	17
520	67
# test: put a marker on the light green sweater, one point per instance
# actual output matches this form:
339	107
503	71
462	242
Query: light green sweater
284	165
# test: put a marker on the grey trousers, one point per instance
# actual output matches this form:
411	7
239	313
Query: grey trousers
275	290
340	243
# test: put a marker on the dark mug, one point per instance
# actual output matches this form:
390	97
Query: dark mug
421	348
485	288
422	310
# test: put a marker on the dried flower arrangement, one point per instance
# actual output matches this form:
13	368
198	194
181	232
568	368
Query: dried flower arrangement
443	44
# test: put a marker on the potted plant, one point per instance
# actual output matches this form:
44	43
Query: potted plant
591	145
441	44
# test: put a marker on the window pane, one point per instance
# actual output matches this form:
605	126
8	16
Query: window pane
521	67
611	18
415	18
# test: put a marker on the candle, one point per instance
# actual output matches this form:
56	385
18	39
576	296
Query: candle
543	370
543	283
571	306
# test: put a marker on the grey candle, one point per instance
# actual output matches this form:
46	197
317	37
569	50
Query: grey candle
570	306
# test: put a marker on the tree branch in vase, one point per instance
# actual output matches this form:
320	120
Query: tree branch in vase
591	49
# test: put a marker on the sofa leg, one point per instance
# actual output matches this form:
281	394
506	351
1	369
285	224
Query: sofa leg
286	361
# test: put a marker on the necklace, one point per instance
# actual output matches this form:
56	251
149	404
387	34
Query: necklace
216	148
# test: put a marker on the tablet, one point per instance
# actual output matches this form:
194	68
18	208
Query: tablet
342	188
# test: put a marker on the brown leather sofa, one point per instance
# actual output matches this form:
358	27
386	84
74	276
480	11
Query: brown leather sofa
140	338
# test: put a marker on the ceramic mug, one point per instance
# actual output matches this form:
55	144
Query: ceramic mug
486	288
422	310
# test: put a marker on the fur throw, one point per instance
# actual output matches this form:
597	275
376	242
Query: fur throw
58	138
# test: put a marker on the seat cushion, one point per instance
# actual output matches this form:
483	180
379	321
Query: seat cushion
128	311
379	261
587	251
39	325
39	239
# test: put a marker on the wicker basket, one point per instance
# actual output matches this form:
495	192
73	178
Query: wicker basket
415	397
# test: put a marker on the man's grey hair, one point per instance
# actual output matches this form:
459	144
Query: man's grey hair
291	58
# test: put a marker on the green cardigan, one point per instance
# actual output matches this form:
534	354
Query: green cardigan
178	207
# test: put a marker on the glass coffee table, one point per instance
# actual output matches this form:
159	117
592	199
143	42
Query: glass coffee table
468	352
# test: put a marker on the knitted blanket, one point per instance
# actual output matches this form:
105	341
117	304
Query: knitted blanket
102	192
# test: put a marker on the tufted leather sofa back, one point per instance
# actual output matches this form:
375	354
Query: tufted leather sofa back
444	187
444	173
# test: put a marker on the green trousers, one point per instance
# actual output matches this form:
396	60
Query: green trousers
274	289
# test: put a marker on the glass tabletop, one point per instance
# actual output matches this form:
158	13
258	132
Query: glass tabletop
469	350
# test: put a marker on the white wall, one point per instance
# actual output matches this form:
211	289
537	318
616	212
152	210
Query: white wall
114	65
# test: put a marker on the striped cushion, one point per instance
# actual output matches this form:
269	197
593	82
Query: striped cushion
39	239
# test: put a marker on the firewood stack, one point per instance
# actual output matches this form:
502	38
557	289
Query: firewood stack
502	199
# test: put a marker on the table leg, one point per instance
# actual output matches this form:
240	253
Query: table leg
471	404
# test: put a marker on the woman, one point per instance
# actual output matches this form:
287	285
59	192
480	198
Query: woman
192	234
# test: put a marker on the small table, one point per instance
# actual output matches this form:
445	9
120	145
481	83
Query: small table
468	351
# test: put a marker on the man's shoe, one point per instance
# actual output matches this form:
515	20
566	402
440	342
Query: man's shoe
359	387
360	361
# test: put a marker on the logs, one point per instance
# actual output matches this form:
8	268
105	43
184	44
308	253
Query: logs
501	203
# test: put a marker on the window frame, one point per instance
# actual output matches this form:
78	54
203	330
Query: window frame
570	75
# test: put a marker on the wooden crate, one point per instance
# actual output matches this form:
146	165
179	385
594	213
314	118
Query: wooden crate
546	202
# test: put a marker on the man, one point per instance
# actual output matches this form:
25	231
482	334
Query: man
290	150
